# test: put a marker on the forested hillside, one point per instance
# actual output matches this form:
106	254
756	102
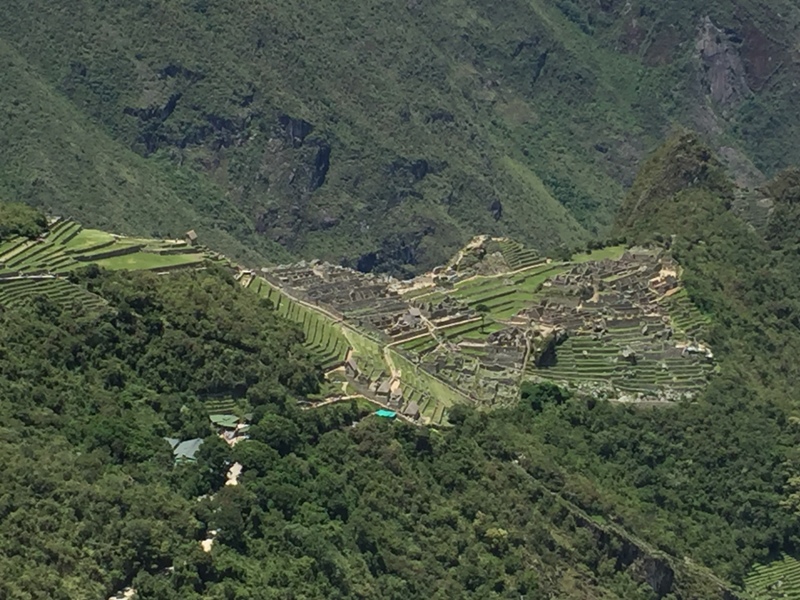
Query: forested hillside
381	135
91	501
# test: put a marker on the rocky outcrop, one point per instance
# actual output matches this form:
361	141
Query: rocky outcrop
156	112
496	209
295	130
322	162
723	74
217	131
440	116
761	55
172	71
544	349
413	170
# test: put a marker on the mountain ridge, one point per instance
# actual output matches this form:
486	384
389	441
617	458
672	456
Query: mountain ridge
291	142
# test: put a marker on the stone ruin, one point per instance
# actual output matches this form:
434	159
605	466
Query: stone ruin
609	314
617	306
363	299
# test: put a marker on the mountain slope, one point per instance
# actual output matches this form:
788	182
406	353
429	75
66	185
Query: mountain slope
558	496
326	506
384	135
57	160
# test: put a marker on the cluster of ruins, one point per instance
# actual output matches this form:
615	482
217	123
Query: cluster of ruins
619	306
601	323
365	300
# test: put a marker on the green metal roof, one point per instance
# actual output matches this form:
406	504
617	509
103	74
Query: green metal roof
387	414
224	420
185	450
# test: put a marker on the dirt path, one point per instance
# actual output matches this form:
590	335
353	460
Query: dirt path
373	401
387	358
334	400
17	277
232	477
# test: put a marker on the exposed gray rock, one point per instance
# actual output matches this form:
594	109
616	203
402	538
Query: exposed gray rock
723	70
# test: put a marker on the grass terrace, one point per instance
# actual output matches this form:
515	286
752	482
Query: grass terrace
220	406
89	238
30	268
581	359
778	579
145	261
367	353
610	253
417	343
687	319
18	292
518	256
324	338
68	246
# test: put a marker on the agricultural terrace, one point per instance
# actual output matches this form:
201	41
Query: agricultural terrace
614	323
778	579
324	338
31	268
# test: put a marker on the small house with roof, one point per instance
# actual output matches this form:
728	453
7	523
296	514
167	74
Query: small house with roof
385	388
412	410
351	368
224	422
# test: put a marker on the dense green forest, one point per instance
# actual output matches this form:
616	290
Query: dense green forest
17	219
90	501
380	135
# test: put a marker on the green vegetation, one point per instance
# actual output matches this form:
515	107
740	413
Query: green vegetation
270	132
747	283
17	219
383	136
87	398
17	292
322	510
323	338
703	492
778	579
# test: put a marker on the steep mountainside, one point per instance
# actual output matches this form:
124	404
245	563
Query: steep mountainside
380	135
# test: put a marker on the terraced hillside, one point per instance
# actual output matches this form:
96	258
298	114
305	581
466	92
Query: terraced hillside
323	337
778	579
615	324
31	268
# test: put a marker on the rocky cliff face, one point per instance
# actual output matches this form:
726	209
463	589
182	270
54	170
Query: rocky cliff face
723	74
